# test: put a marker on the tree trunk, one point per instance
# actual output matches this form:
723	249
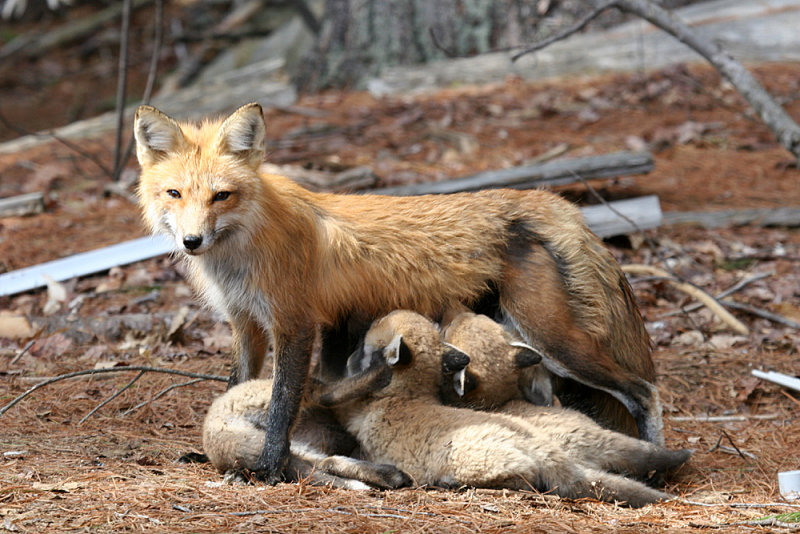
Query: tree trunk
359	38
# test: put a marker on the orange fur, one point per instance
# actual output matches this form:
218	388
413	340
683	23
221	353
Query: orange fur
281	261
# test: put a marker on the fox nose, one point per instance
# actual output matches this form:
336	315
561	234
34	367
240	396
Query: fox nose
191	242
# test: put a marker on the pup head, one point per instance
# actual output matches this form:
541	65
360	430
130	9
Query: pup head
498	363
410	344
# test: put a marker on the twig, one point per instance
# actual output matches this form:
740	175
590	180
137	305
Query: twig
785	129
158	39
58	378
724	418
775	318
162	393
739	504
692	290
730	440
112	397
578	26
122	82
647	239
728	292
75	148
438	44
22	352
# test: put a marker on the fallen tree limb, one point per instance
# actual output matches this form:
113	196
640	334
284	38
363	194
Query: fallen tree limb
774	116
785	216
710	302
551	173
728	292
90	372
26	204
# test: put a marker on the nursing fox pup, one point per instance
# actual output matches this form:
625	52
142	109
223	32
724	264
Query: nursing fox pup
500	374
281	261
405	425
233	436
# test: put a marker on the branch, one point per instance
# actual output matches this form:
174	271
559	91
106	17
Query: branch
158	38
785	129
727	293
70	145
112	397
694	291
122	82
578	26
782	125
162	393
75	374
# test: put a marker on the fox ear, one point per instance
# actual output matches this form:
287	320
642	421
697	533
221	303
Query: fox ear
526	355
397	352
156	135
244	133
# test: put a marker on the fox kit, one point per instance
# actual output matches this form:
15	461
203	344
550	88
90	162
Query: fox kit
281	261
404	424
496	376
233	436
505	369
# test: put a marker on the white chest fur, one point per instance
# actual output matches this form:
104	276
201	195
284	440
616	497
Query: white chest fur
227	284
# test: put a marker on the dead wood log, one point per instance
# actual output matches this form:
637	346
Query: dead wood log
348	180
37	42
27	204
551	173
767	217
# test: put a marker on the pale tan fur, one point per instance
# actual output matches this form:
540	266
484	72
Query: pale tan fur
233	438
494	375
498	385
404	424
280	261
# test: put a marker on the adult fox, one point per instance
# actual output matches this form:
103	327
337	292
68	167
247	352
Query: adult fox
281	261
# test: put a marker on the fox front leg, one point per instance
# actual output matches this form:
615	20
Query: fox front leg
292	357
250	345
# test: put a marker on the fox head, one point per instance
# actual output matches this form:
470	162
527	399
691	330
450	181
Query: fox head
500	364
410	344
199	182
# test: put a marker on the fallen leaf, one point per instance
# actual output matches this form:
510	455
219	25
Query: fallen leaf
692	337
747	385
14	326
726	341
56	296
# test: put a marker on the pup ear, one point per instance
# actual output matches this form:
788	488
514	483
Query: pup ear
526	355
244	134
537	388
156	135
397	352
453	359
464	382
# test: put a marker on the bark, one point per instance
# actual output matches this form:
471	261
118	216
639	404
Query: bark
358	38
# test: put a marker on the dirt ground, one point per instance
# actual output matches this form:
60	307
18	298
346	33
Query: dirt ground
116	472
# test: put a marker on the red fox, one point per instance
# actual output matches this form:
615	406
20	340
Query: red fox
281	262
233	436
404	424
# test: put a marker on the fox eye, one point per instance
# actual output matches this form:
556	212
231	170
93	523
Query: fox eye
174	193
221	195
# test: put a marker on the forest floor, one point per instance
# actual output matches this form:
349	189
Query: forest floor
116	471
